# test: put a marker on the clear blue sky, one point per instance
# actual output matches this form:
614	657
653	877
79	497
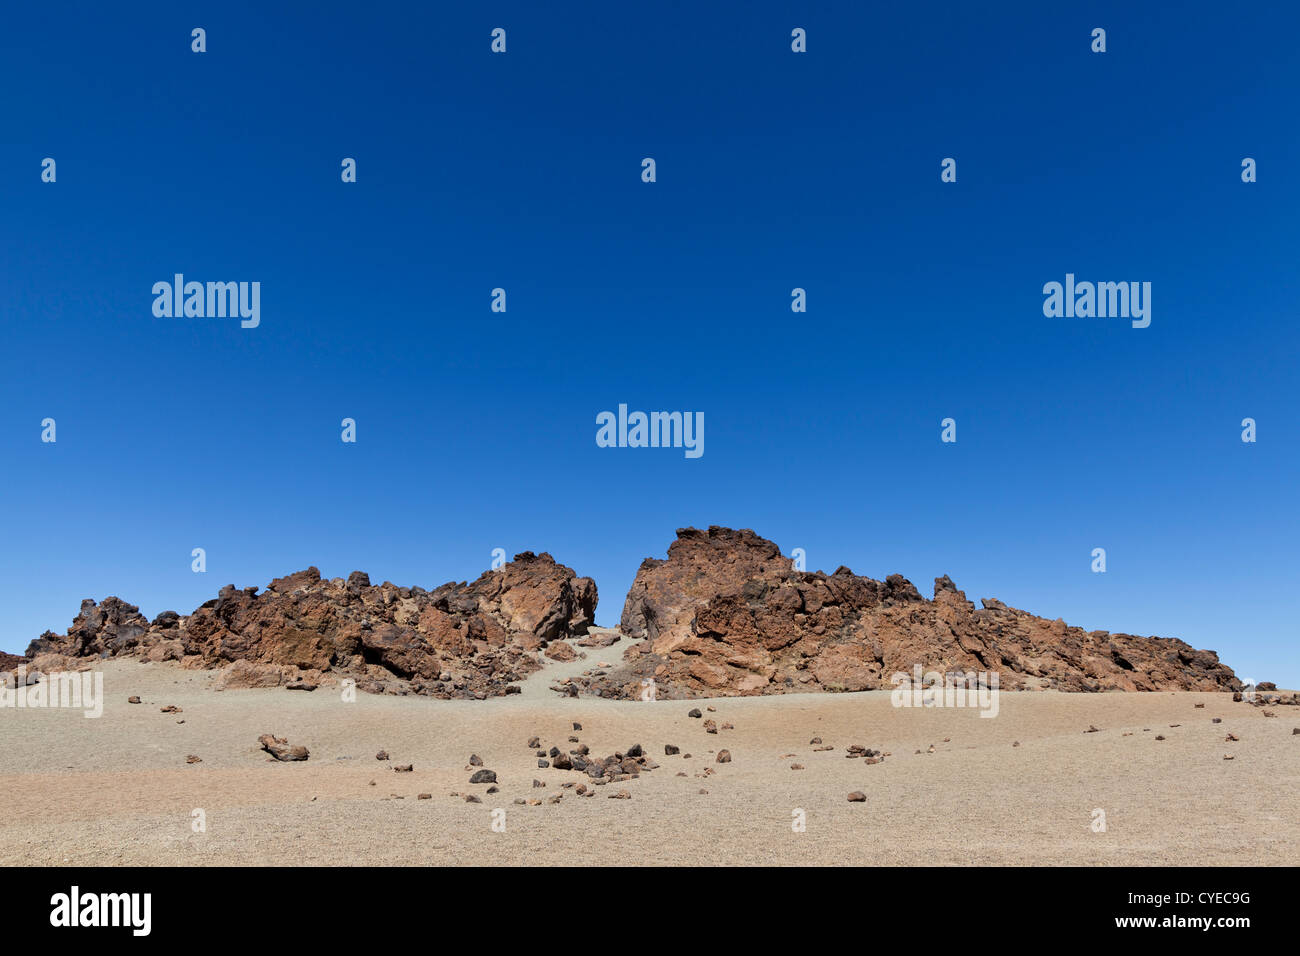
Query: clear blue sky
775	170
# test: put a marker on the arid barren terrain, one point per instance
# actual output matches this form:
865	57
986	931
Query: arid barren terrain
119	790
742	712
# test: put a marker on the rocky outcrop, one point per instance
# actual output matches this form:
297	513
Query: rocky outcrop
727	614
458	640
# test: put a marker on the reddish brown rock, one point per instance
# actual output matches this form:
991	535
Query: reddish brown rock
727	614
459	640
560	651
278	747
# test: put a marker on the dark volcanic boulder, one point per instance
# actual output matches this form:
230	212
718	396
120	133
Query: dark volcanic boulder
105	629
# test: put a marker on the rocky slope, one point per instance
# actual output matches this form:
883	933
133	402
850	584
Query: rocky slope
727	614
458	640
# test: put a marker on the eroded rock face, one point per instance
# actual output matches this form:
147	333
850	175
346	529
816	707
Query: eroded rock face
459	640
724	614
727	614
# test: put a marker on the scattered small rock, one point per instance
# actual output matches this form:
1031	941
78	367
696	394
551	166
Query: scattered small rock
278	747
724	756
857	796
483	776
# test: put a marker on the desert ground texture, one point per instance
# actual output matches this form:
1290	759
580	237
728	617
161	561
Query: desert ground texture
1022	788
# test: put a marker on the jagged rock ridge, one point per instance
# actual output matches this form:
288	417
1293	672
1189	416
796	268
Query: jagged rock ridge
458	640
727	614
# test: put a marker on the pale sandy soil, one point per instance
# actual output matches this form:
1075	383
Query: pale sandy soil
117	790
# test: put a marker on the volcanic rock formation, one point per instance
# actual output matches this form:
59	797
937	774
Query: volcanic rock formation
459	640
727	614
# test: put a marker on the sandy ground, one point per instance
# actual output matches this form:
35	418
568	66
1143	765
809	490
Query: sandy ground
117	790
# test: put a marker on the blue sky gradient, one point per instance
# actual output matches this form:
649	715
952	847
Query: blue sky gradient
476	429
